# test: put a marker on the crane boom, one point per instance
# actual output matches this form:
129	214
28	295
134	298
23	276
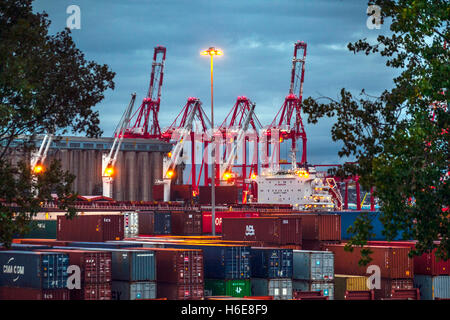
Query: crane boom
109	160
239	141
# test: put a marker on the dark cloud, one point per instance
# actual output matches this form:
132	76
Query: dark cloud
257	37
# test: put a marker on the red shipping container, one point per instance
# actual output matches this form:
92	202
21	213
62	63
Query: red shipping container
186	222
394	262
276	231
321	227
387	285
91	228
224	214
48	242
173	291
7	293
158	192
96	291
360	295
181	192
95	265
223	194
426	264
407	294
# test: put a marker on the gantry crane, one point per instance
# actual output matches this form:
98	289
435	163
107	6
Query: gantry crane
38	158
109	159
292	107
182	132
147	124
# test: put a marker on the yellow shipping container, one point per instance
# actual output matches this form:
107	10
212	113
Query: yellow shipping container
344	283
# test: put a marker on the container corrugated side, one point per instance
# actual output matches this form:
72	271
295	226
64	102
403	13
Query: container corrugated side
233	288
279	289
393	262
271	262
37	270
343	283
41	229
123	290
92	291
433	287
313	265
173	291
9	293
304	285
97	228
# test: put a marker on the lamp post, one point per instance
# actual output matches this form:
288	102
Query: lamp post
213	52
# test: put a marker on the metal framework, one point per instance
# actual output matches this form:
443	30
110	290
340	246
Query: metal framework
239	119
288	127
146	124
181	130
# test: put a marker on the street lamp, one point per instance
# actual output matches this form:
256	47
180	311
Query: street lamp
212	52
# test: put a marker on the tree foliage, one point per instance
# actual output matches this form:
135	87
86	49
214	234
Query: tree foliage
400	139
46	86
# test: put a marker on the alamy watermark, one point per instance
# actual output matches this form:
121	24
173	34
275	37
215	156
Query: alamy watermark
74	20
374	19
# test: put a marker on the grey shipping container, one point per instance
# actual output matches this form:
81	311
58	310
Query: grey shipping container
313	265
37	270
123	290
304	285
279	289
432	287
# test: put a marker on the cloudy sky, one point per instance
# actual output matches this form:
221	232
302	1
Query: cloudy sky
257	38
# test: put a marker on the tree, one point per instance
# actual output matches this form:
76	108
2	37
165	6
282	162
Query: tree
401	139
46	86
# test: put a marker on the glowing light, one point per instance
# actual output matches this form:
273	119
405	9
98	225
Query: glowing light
227	175
169	154
38	169
170	173
253	176
211	52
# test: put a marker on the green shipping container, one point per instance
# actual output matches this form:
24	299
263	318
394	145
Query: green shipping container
41	229
234	288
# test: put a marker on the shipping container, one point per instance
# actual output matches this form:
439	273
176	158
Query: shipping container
271	263
387	285
425	264
326	287
309	295
10	293
233	288
173	291
316	226
44	242
124	290
275	231
406	294
223	195
313	265
394	262
360	295
222	261
37	270
104	245
95	266
25	247
219	215
41	229
92	291
96	228
279	289
154	222
181	192
343	283
186	222
348	219
179	265
433	288
128	264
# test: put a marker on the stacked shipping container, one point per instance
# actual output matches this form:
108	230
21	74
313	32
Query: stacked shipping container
314	271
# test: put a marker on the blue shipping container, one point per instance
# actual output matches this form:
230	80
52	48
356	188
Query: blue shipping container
38	270
271	262
222	261
27	247
432	287
348	218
